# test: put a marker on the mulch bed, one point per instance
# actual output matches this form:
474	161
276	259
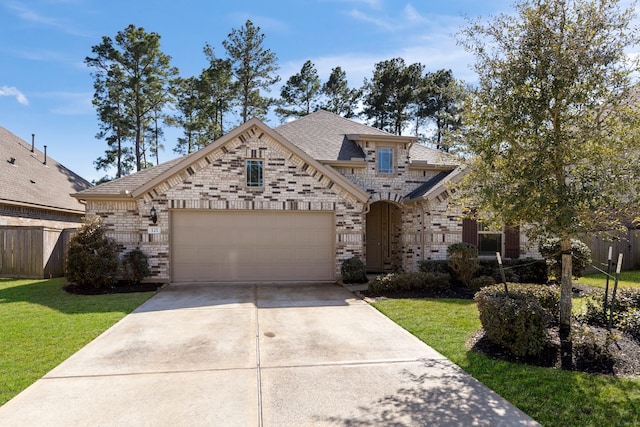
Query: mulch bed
624	352
623	360
119	288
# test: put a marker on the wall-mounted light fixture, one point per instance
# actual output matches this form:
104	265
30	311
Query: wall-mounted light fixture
153	214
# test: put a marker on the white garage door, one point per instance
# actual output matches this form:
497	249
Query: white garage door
256	246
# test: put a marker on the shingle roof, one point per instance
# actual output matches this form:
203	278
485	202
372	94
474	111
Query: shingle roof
323	135
422	190
128	183
26	180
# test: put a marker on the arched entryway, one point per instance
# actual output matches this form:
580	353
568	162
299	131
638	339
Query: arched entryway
383	238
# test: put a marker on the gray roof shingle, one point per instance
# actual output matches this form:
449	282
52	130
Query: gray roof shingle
323	135
27	180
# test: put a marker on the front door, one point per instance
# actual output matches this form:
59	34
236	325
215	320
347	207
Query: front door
383	237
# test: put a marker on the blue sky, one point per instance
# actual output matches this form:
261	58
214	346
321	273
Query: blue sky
46	89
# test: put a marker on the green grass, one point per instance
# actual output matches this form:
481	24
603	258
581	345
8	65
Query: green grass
630	279
552	397
41	325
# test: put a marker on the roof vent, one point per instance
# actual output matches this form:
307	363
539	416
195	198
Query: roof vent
33	142
12	160
45	155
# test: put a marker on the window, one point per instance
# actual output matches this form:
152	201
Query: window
254	173
385	160
489	240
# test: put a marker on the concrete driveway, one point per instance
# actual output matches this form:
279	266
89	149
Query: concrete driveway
258	355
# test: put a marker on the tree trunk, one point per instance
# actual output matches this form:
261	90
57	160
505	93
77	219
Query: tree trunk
565	305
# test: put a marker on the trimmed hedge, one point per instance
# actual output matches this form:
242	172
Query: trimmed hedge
353	270
518	320
135	265
417	281
525	270
581	256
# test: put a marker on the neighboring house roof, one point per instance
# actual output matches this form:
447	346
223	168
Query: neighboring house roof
27	181
328	137
136	184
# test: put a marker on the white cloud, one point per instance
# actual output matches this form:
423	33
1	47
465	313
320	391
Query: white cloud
71	103
29	15
413	16
386	25
12	91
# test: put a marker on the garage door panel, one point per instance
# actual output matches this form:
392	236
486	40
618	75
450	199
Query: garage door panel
252	246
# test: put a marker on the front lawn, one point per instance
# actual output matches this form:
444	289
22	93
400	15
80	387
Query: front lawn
42	325
628	279
552	397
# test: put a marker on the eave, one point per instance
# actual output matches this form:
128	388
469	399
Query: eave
43	207
382	138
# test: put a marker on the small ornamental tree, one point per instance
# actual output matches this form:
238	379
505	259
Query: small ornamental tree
463	261
551	128
92	257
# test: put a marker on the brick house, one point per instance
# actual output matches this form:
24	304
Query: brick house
291	203
35	208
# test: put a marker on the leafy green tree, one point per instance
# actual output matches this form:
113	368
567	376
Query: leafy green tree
253	69
135	75
552	135
390	93
300	95
339	98
439	99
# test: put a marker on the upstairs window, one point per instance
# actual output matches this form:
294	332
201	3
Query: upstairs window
385	160
254	173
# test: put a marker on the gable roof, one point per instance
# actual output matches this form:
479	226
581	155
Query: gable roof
424	188
323	135
328	137
436	186
137	184
27	181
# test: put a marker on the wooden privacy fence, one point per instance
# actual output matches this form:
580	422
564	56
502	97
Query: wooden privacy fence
33	252
627	243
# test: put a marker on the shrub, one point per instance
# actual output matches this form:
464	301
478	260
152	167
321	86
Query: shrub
518	320
434	266
92	257
353	270
463	261
551	251
627	299
480	282
630	323
591	350
530	270
593	313
417	281
135	264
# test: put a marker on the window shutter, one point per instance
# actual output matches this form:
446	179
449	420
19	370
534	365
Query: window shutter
470	231
512	242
